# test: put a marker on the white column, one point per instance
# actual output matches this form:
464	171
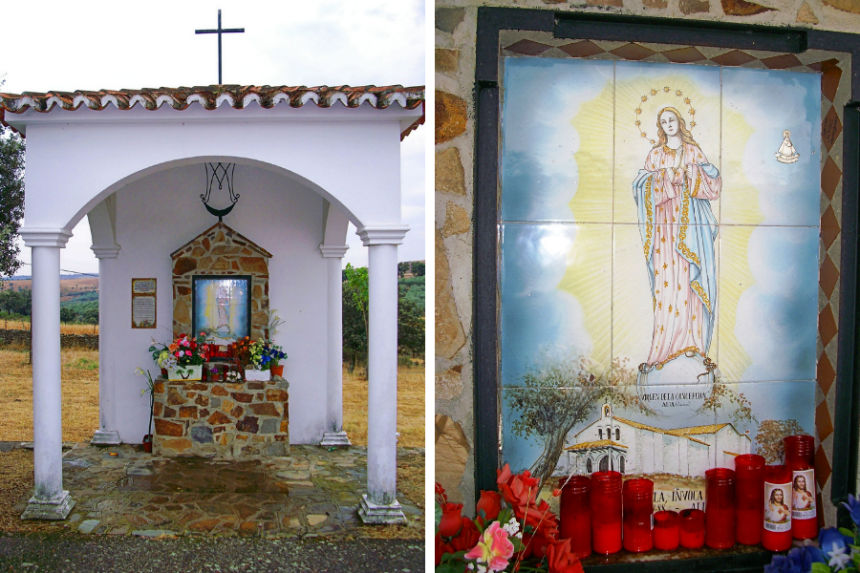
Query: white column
106	434
49	500
380	504
334	434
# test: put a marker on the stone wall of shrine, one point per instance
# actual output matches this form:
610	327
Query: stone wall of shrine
222	420
220	250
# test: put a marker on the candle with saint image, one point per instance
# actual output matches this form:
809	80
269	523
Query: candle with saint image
749	495
799	452
575	514
776	531
606	512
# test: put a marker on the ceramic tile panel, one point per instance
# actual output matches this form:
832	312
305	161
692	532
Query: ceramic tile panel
551	279
724	225
771	125
768	307
556	157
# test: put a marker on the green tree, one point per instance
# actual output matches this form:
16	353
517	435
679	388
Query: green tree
11	198
410	328
355	301
561	393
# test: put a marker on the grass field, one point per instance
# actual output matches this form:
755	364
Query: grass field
81	406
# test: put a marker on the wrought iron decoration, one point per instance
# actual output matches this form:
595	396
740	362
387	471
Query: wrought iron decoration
222	173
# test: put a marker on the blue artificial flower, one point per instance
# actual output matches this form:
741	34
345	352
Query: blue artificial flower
853	506
782	564
806	555
835	547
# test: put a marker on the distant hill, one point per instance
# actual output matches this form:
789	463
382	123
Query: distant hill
72	287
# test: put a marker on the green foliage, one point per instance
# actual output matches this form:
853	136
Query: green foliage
411	326
86	312
85	364
355	302
11	199
15	303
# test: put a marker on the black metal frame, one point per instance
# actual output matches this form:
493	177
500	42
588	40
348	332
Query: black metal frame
685	32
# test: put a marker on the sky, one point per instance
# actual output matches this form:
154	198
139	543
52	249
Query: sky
325	42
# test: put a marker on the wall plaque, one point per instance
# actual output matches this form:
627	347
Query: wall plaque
143	299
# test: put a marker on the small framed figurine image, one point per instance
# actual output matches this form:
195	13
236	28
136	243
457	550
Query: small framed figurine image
221	306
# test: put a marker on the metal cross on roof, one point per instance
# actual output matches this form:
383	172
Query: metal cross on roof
220	31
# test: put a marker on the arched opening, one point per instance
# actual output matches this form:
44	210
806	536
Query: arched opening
604	464
621	464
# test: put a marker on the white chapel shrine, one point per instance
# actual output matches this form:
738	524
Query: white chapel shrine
305	163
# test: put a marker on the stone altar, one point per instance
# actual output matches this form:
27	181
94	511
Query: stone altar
225	420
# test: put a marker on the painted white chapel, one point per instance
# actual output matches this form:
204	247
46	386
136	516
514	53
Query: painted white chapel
307	162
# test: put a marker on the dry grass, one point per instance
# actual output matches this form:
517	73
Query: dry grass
81	399
22	324
410	406
80	395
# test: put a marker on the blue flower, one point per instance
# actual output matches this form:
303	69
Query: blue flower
853	506
798	560
783	564
835	547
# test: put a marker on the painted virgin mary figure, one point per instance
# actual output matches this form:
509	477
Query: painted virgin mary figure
673	194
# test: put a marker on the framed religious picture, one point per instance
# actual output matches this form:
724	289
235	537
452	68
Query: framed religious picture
664	245
221	307
143	303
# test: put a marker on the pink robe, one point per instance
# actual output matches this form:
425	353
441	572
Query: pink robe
678	224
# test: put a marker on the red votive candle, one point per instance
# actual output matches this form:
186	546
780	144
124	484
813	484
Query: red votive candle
720	508
575	514
638	505
799	452
749	498
666	533
692	531
776	530
605	503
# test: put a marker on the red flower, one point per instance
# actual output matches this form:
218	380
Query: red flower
561	560
488	506
451	521
468	536
518	490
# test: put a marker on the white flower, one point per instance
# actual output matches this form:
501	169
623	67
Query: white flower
513	528
839	560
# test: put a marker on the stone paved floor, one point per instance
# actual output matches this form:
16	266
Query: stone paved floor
122	490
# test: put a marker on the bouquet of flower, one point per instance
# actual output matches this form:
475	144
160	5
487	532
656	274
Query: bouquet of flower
838	550
161	355
189	351
265	354
242	351
512	531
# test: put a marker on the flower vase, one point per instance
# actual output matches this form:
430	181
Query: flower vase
277	371
256	375
192	372
147	443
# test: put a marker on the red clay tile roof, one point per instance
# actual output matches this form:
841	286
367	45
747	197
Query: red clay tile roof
211	97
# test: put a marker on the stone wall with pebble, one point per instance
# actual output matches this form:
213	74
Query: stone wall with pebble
220	419
456	24
221	251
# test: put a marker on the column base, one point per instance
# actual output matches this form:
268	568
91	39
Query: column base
373	514
105	438
335	439
56	509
